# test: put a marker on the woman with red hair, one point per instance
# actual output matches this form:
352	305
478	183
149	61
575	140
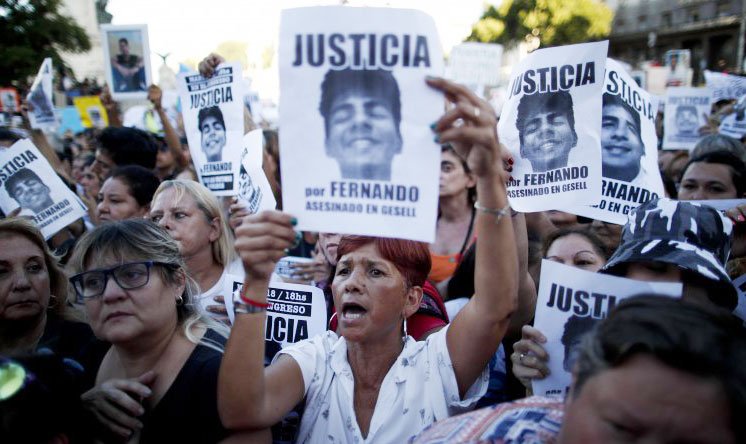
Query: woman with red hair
369	381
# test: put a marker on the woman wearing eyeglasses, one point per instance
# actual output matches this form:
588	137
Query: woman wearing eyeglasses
161	370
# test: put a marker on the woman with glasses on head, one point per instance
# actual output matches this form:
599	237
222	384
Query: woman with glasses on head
161	370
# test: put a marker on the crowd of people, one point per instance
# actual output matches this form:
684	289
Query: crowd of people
117	326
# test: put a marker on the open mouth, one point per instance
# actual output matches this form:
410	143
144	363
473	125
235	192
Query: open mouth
352	311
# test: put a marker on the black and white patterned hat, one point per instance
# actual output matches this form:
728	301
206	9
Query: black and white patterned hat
690	236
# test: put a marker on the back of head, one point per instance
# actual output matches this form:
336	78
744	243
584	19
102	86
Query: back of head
719	142
129	146
703	341
141	182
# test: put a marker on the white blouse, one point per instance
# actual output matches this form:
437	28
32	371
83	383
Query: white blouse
419	389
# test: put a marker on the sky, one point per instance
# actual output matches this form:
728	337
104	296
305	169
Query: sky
189	30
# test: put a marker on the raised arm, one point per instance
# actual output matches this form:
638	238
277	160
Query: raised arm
155	95
250	396
476	332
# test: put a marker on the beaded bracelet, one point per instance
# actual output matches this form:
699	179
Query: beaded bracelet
497	212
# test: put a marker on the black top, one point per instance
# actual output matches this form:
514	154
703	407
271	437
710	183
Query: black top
188	412
74	340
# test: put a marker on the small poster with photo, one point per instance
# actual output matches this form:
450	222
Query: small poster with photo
685	112
629	148
570	303
725	86
355	115
212	109
91	111
551	123
127	61
29	182
41	108
9	101
254	190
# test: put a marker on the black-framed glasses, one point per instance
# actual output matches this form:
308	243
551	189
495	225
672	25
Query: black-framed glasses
129	276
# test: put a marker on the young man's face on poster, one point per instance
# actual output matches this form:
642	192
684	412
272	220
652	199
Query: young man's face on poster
686	119
31	193
621	142
362	135
547	135
213	138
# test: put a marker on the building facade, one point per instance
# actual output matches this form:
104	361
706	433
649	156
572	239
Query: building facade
713	30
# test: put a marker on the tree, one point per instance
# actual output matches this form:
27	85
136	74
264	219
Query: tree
32	30
553	22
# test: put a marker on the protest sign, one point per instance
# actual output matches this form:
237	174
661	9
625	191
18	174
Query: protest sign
9	101
629	148
551	123
91	111
571	301
475	64
127	60
41	109
354	117
296	312
678	62
212	109
253	187
732	126
685	112
29	182
725	86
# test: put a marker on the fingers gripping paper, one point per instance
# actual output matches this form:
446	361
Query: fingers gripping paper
551	124
213	120
354	119
570	303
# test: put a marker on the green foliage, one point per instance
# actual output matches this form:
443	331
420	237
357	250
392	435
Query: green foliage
554	22
32	30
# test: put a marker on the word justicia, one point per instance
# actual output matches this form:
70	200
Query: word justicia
361	51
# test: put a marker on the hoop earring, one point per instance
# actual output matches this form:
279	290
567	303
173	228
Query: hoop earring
180	301
331	319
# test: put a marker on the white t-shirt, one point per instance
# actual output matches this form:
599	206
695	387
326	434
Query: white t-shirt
419	389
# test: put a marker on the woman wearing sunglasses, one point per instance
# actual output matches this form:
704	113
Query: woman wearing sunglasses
161	370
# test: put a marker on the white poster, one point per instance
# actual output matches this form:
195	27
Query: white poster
477	64
551	123
678	62
571	301
127	61
629	148
686	111
253	187
355	115
733	125
725	86
213	120
29	182
41	108
295	312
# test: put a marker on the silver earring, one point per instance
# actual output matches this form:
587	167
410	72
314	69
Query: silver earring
180	300
404	338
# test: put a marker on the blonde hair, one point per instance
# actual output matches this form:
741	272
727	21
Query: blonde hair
140	239
222	247
58	285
